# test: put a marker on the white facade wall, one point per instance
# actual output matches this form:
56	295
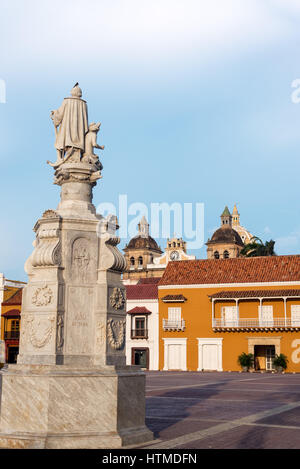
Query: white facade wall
152	342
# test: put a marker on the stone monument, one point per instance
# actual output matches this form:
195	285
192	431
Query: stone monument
2	351
70	387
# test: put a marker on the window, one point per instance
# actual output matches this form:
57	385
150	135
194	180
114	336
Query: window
226	254
295	315
15	325
139	330
174	315
174	321
140	260
140	325
132	261
216	255
230	316
266	315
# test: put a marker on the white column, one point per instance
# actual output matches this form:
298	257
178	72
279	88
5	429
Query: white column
220	355
260	310
237	311
166	355
200	356
284	302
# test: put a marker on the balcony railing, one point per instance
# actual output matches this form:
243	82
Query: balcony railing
11	335
256	323
169	325
139	333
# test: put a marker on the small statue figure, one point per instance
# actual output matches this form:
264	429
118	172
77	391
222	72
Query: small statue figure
71	125
91	143
91	139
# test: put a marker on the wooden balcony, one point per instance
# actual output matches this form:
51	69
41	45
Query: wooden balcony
256	324
139	333
11	335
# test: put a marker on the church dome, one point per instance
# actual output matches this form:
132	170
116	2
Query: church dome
142	242
226	234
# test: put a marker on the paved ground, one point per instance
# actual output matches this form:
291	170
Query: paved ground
223	410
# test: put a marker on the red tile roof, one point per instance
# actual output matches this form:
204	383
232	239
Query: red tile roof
149	280
174	299
142	292
238	270
12	313
256	294
15	299
139	310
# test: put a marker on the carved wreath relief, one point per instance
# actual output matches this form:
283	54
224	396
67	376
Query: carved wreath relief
42	296
39	331
116	333
117	299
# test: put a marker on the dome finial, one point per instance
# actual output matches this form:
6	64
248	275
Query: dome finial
143	227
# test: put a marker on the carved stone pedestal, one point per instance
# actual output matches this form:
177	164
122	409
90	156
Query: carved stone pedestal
62	407
71	387
2	351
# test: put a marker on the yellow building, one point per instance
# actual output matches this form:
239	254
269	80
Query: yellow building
11	322
210	311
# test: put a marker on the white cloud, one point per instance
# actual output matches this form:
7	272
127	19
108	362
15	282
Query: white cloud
52	32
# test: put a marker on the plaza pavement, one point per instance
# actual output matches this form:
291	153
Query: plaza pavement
223	410
189	410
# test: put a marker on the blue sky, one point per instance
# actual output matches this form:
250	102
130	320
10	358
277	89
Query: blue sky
194	99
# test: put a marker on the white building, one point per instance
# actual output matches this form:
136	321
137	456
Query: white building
142	324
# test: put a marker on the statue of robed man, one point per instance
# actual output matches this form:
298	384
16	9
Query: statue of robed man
71	125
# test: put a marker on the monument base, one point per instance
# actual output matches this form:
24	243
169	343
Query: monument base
60	407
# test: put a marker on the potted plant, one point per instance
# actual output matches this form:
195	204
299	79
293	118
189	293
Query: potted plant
246	361
280	362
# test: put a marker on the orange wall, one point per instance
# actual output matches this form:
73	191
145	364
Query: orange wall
197	313
8	292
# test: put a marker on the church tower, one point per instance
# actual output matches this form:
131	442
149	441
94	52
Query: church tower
243	232
235	217
225	242
139	252
226	218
